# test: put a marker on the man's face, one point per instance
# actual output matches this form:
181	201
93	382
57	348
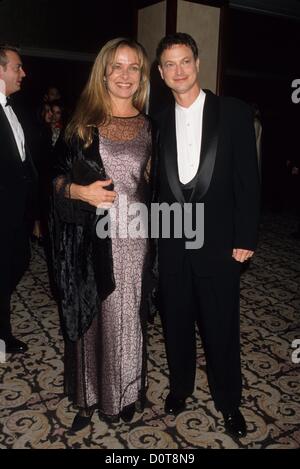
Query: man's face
12	74
53	94
179	69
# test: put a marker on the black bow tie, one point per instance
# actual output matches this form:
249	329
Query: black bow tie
8	101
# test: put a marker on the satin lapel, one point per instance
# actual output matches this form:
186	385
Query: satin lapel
32	165
169	149
9	138
209	145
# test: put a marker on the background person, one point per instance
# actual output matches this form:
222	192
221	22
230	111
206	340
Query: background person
17	188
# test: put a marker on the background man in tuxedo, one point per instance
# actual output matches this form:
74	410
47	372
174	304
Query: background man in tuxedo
17	181
207	154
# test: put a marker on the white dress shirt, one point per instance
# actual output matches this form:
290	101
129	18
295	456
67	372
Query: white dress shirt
15	125
189	137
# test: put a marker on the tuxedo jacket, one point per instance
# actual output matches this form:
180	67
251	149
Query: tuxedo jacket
227	183
17	180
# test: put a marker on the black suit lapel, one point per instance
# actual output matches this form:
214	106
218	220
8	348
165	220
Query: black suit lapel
169	148
210	135
8	140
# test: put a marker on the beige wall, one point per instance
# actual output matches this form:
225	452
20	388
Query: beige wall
152	27
202	22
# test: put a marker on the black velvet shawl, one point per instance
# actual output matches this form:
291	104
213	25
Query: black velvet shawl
83	264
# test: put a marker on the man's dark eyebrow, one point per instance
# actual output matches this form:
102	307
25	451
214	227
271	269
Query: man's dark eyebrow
183	58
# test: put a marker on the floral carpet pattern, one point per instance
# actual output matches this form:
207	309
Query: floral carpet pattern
34	413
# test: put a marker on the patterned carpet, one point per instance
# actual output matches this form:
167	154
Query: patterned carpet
35	414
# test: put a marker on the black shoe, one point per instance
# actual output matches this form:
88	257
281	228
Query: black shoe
13	345
173	405
235	424
127	413
41	242
80	422
295	235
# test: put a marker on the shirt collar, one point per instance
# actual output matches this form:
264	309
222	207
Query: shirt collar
2	99
197	104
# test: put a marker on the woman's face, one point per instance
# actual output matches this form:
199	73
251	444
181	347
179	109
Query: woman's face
47	114
123	74
56	114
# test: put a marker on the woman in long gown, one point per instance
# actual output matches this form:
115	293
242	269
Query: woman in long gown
101	280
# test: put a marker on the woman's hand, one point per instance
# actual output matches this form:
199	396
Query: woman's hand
94	194
37	231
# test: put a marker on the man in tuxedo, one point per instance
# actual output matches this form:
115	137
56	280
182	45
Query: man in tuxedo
17	182
207	154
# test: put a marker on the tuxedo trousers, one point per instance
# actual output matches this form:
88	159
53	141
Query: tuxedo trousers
14	260
188	299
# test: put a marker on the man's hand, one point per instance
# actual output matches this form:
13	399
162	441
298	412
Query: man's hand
242	255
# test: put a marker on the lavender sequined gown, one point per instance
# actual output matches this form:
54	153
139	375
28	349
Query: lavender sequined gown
109	357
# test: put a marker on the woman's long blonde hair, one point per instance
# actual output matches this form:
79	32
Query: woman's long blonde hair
93	108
